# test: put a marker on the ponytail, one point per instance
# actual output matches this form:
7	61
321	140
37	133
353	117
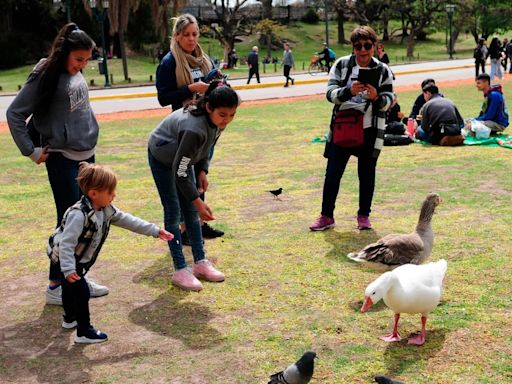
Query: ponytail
218	95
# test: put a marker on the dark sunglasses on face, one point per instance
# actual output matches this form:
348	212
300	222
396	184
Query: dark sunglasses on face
359	46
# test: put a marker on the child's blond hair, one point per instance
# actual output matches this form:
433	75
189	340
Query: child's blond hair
95	176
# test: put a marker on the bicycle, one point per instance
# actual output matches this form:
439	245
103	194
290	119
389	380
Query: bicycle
316	67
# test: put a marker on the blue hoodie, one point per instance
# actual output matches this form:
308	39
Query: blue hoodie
493	107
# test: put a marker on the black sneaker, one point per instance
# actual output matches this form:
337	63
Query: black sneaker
184	238
293	81
209	232
91	336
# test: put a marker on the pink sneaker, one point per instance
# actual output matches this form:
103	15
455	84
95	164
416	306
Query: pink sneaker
363	222
184	279
205	270
322	223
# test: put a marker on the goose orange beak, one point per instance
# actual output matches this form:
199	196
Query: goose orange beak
367	304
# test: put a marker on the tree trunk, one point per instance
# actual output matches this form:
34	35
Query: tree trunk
123	54
404	28
411	41
341	26
266	6
455	36
385	31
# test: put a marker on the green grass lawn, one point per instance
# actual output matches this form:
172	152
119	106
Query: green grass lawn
287	289
305	40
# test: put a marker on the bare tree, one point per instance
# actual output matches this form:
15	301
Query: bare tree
232	23
118	14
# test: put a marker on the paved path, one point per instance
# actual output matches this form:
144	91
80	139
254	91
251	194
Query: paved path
139	98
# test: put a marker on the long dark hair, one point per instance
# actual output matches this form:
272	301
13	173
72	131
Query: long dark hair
70	38
218	95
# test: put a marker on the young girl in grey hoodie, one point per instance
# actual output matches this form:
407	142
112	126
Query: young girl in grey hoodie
62	130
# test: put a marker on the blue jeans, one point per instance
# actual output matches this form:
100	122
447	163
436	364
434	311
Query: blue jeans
422	135
173	203
337	159
62	173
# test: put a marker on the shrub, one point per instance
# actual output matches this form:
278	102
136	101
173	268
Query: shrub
311	17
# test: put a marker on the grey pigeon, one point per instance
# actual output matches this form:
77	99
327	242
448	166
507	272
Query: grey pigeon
399	249
386	380
297	373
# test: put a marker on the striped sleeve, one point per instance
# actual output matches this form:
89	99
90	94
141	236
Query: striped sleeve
336	93
385	90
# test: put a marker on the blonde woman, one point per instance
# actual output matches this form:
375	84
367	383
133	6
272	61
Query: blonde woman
180	76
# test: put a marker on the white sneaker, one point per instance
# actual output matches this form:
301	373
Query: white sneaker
54	296
96	289
68	324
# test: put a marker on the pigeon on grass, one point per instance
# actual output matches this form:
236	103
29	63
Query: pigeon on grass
299	372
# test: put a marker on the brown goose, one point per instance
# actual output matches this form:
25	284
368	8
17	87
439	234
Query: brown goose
395	249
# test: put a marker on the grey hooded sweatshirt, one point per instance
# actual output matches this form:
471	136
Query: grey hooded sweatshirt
68	125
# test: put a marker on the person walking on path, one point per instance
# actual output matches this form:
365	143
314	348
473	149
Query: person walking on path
181	77
253	63
495	53
288	63
362	108
76	243
480	54
182	141
62	130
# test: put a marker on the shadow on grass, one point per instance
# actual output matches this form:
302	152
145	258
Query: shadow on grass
157	275
42	349
357	305
400	357
346	242
169	316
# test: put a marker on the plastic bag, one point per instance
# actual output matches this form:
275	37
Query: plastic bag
481	131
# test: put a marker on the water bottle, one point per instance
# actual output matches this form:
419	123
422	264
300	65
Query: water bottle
410	127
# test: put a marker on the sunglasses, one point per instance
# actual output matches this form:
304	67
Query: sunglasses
359	46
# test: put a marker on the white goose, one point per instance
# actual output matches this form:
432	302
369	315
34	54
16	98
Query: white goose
399	249
408	289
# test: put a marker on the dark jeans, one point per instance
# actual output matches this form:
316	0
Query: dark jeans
75	300
478	64
287	69
175	203
337	159
253	71
62	173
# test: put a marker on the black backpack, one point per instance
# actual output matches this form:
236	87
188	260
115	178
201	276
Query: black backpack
477	53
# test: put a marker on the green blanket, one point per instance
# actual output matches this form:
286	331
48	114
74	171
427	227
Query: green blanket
499	140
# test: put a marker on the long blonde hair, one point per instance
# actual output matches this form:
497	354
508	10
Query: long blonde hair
184	61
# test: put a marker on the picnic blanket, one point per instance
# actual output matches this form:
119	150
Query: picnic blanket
498	140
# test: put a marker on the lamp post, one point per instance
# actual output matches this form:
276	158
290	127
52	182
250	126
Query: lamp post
326	16
450	9
101	16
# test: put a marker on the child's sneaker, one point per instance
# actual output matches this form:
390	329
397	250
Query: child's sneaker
91	336
184	279
54	296
363	222
68	323
205	270
322	223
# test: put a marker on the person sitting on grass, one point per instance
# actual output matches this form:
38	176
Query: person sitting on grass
420	100
494	113
441	122
76	243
